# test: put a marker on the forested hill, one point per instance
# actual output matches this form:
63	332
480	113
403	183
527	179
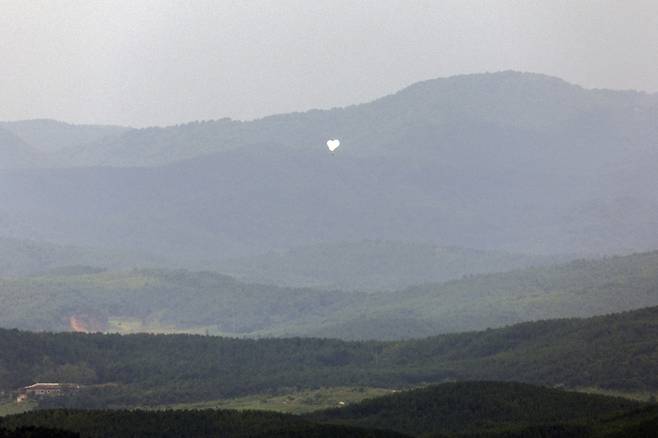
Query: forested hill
433	113
616	351
175	301
474	407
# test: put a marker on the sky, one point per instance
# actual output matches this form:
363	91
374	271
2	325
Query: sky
161	62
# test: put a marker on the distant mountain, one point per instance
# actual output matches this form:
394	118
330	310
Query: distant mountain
506	162
614	352
204	302
364	265
28	257
462	117
14	152
49	136
374	265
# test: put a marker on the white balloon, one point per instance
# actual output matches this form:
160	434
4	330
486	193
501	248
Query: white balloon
333	144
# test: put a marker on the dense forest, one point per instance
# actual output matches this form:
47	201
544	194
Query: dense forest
36	432
190	424
167	301
616	351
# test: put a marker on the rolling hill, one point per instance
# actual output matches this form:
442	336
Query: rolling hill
363	265
20	258
374	265
206	302
472	409
14	152
575	289
475	407
51	136
615	352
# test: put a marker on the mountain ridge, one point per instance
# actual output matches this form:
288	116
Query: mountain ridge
495	85
506	162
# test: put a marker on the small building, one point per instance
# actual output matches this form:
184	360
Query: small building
38	390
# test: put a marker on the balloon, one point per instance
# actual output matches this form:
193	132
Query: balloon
333	144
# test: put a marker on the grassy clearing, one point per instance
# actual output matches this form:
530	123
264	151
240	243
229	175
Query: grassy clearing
127	326
12	408
293	403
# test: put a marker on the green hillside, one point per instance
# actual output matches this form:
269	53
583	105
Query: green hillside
468	409
171	301
474	406
576	289
616	352
163	301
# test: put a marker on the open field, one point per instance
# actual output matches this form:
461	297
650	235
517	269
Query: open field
10	407
298	402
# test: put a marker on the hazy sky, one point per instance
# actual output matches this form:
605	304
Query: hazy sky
161	62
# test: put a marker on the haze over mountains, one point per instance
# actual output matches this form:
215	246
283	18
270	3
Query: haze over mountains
38	143
186	254
507	161
465	230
